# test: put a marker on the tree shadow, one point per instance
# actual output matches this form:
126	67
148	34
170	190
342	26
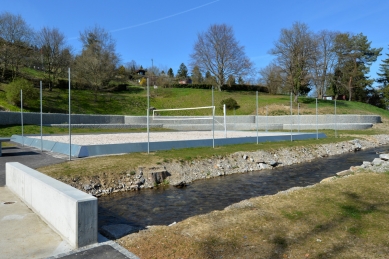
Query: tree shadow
134	90
353	209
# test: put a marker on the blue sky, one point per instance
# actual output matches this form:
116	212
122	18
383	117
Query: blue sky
166	31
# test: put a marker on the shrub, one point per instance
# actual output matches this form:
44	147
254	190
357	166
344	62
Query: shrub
13	91
230	103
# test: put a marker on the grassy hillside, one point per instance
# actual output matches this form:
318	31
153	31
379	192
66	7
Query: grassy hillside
134	102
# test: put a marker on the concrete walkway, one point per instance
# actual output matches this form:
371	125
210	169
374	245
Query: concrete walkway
23	234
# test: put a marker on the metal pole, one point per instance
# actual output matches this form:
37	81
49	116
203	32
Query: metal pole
225	120
266	118
298	114
336	125
291	113
317	127
213	121
21	114
148	122
70	122
40	91
213	127
212	97
256	117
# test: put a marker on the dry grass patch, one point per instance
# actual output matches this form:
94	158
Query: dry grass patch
345	218
100	165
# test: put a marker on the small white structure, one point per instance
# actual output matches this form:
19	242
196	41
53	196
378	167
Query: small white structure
68	211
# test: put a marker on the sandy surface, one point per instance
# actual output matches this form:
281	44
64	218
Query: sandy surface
97	139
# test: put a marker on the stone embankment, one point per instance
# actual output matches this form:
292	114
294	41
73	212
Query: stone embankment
181	173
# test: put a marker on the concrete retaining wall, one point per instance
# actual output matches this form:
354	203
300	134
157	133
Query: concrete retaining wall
14	118
70	212
247	122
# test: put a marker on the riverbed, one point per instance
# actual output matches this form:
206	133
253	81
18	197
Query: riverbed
165	205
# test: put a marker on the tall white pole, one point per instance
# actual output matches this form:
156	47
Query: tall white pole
291	113
21	114
256	117
148	113
225	120
266	118
317	127
298	115
336	125
40	91
213	121
70	122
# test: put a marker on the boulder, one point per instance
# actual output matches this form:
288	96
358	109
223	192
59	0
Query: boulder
343	173
357	146
384	157
180	184
263	166
157	177
377	161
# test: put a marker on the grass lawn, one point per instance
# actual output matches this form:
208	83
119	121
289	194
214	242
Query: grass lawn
345	218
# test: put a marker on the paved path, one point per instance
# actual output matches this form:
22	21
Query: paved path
28	156
23	234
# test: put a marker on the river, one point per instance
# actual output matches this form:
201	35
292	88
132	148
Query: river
165	205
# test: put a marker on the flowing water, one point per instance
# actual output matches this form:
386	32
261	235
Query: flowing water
163	206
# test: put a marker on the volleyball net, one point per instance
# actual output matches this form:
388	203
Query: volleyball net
172	115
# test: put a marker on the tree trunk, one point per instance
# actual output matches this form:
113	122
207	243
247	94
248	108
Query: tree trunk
350	88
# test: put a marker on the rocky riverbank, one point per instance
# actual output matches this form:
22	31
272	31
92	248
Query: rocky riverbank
181	173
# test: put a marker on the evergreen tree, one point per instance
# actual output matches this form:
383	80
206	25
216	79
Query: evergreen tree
240	80
209	79
182	72
384	72
355	57
384	81
170	73
197	77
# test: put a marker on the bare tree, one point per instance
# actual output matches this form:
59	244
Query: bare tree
272	78
96	65
323	62
294	51
15	41
218	52
55	55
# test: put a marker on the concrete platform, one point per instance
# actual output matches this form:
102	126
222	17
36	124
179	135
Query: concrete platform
138	142
24	235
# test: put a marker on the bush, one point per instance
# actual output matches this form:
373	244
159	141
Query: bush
230	103
13	91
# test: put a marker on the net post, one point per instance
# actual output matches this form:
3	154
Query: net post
317	126
70	123
225	121
21	114
291	114
213	127
256	117
148	122
40	97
